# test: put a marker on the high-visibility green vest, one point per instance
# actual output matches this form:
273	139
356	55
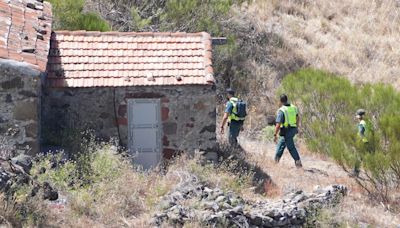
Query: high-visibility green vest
290	114
233	115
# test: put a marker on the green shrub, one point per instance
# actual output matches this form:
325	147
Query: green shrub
328	104
268	133
139	22
221	176
195	15
69	15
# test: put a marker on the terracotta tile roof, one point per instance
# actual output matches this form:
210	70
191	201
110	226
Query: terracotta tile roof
25	29
95	59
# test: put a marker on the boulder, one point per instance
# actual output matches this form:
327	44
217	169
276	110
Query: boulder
49	193
4	178
25	161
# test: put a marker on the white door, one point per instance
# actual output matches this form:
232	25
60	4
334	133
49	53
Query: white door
144	131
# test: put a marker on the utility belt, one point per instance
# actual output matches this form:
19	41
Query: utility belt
235	122
284	130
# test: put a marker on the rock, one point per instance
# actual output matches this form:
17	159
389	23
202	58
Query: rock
28	93
26	110
256	219
158	219
177	196
15	83
4	178
217	208
236	210
298	198
219	199
267	221
175	217
165	204
226	206
274	213
207	190
42	170
8	98
211	157
24	161
283	221
35	190
218	218
12	131
211	197
170	128
49	193
209	205
31	130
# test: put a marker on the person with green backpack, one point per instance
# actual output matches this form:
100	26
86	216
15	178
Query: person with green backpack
235	114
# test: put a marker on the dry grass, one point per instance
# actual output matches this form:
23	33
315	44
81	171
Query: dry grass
321	171
358	39
112	193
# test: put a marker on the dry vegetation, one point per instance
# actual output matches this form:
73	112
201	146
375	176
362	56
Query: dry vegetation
107	191
358	39
319	170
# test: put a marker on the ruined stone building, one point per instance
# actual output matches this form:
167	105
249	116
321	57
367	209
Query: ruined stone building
152	92
25	31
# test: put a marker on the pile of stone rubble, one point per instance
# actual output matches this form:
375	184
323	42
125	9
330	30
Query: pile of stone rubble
15	173
195	201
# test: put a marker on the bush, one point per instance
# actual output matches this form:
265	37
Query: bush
221	176
268	133
196	15
328	104
69	15
107	191
100	185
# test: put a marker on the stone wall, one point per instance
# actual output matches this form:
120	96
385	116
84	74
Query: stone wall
187	112
19	107
193	201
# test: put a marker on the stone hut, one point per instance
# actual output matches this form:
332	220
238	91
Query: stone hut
153	92
25	29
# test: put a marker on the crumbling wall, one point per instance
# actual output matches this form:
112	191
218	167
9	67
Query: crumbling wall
187	112
19	107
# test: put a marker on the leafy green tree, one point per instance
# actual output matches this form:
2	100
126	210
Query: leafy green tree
69	15
328	104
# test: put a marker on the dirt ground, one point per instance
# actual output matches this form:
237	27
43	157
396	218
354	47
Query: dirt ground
321	171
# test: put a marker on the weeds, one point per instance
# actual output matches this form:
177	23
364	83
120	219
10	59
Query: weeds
102	188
